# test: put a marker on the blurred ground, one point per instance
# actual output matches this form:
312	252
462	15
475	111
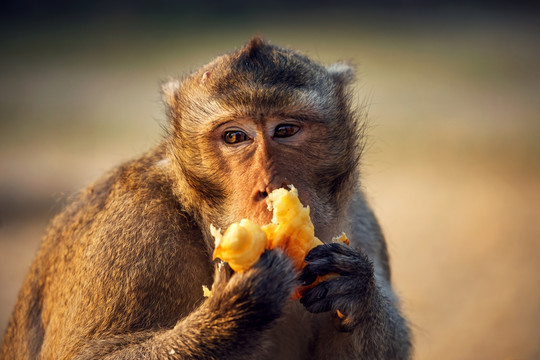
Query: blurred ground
452	167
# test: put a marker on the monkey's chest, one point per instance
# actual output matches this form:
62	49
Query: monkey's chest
293	335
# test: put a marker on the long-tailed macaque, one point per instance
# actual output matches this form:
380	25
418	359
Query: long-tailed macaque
119	274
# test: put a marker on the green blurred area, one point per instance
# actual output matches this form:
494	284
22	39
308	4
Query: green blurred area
452	167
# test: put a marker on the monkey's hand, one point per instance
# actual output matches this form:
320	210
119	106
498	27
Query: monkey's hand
254	298
347	294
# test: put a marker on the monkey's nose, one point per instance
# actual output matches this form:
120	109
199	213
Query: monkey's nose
261	195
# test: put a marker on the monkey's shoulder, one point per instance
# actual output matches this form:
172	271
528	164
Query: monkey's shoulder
139	192
130	212
127	236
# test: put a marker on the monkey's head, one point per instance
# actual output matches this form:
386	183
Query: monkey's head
261	118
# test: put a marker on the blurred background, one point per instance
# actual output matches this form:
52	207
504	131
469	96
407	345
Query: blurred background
453	163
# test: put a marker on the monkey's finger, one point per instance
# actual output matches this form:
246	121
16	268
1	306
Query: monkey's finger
340	293
333	291
316	300
317	307
338	259
222	275
306	277
318	268
272	258
320	260
334	248
328	264
348	311
273	273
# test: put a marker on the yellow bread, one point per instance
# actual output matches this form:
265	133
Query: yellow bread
291	230
241	245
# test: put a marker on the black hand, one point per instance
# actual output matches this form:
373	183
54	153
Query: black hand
347	292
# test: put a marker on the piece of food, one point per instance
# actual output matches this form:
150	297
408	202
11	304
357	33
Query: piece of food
291	230
341	238
241	245
206	291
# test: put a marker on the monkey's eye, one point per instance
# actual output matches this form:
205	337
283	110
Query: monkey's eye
285	130
234	136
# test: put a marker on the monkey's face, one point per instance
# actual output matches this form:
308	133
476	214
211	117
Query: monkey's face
260	119
259	155
244	158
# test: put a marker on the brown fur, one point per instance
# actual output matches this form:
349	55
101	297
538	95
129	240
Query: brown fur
121	269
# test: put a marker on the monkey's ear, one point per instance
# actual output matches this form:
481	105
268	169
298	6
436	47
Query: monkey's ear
342	73
169	90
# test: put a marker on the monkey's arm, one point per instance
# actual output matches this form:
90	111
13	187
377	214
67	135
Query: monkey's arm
228	325
369	325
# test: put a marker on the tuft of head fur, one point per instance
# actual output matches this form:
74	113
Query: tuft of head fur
253	46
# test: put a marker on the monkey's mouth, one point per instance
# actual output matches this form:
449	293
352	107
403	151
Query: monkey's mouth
263	216
256	211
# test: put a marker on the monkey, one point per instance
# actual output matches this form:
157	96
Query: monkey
120	271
